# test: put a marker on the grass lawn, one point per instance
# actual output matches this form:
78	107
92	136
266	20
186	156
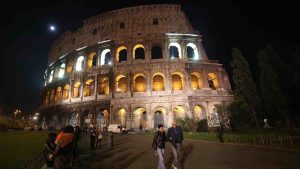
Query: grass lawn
17	148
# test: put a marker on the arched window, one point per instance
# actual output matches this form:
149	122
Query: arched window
177	81
80	63
199	112
66	92
158	82
179	112
103	85
213	82
121	84
139	83
76	90
105	57
62	70
121	54
139	52
192	51
51	76
70	63
196	81
156	52
175	50
52	96
58	94
92	60
121	116
89	88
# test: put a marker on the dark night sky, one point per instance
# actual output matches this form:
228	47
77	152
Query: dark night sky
25	38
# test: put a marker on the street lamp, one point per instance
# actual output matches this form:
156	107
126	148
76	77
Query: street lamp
16	112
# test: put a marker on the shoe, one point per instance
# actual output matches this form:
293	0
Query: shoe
174	166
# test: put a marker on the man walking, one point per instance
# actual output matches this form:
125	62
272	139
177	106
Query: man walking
175	136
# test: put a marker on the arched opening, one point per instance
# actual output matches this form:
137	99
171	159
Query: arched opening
51	76
105	57
92	60
192	51
73	119
139	52
139	117
121	54
66	92
175	50
103	118
159	116
214	119
213	82
158	83
69	65
47	97
121	84
80	63
103	86
52	96
199	112
177	81
76	90
121	117
139	83
89	88
196	81
156	52
62	70
179	112
58	94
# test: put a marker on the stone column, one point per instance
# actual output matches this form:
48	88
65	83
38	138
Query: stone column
96	86
204	79
220	78
70	90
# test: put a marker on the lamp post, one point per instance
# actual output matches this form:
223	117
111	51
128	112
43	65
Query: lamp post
16	112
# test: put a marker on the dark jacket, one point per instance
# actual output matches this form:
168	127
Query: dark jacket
159	140
175	135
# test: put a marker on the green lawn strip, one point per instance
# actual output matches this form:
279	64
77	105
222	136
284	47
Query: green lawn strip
17	148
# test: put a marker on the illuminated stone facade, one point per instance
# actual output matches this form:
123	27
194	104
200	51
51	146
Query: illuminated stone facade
136	66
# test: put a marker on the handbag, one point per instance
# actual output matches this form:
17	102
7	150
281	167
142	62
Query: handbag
100	136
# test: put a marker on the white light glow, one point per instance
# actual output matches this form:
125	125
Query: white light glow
81	48
181	34
52	28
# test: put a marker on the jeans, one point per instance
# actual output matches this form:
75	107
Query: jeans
176	153
160	154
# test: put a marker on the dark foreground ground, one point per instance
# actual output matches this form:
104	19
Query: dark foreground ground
134	151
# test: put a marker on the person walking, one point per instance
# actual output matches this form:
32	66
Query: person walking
99	137
93	134
158	145
175	136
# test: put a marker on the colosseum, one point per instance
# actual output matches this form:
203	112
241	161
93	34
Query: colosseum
136	66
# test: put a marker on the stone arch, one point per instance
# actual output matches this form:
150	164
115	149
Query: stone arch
192	51
179	111
92	60
199	112
103	118
159	116
105	58
175	50
139	117
156	52
139	84
121	116
76	90
121	84
103	85
89	87
139	52
121	54
66	92
196	81
61	71
80	63
213	81
58	94
158	82
177	81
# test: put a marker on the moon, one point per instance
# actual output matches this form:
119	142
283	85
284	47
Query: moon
52	28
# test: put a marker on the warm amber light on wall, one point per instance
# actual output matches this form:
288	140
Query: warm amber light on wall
214	79
91	59
197	111
58	94
76	92
118	52
177	82
121	84
140	84
66	92
158	83
196	81
179	112
103	85
88	88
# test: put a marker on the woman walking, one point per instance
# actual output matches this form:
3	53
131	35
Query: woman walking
158	145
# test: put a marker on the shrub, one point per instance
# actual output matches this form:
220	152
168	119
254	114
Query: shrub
202	125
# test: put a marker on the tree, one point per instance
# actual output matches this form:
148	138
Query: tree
245	89
273	99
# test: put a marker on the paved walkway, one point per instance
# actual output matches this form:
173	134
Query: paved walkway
135	152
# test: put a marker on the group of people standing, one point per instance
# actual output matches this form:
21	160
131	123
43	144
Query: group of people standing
61	149
175	137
